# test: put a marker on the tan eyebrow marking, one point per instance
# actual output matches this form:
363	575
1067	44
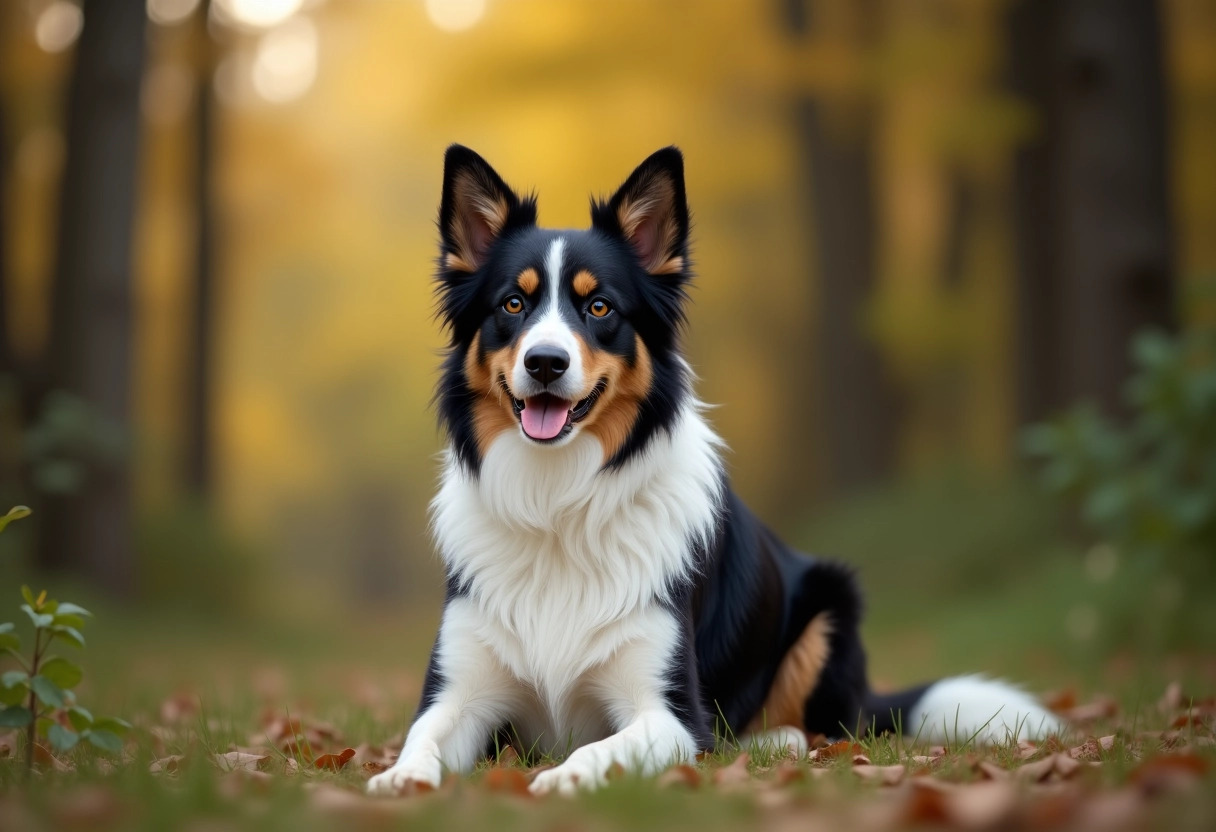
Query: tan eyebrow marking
585	283
528	280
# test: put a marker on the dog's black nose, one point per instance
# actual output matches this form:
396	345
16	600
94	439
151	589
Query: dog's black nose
546	364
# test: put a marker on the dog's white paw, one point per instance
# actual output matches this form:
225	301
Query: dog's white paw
419	770
586	769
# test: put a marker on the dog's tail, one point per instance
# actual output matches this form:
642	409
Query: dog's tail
962	709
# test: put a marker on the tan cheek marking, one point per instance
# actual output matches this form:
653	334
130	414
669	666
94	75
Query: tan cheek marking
797	676
585	283
614	415
492	412
528	281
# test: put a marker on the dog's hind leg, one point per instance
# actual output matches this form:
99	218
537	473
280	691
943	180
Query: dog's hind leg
468	695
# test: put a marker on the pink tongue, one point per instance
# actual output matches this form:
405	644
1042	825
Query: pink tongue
544	416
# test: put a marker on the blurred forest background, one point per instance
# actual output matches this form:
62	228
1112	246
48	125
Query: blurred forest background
921	226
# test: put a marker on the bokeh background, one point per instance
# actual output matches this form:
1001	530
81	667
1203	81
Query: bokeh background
921	227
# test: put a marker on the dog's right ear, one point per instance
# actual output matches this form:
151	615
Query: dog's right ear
477	207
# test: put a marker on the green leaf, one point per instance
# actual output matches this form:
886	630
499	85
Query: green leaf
80	717
15	717
62	672
8	639
67	608
40	620
61	738
67	620
48	692
105	740
15	513
69	634
27	594
112	724
13	687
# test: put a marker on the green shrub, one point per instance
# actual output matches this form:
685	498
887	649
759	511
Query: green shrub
1146	486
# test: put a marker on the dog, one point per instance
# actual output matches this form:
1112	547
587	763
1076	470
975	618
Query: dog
609	598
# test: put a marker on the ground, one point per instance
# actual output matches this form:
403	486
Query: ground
273	718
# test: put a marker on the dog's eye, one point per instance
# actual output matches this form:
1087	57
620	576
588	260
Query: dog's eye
599	308
513	305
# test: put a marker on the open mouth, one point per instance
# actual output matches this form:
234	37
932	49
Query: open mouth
548	418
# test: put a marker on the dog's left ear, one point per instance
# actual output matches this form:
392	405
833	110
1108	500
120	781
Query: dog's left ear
651	212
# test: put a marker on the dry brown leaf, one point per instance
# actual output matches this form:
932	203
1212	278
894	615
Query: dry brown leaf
1060	700
1172	699
507	781
735	774
1065	766
43	758
680	775
788	772
926	801
884	775
1101	708
836	749
1169	773
179	707
1036	771
242	761
168	765
991	771
371	768
508	757
982	805
334	762
8	744
817	741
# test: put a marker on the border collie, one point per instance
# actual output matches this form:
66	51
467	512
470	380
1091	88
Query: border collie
609	599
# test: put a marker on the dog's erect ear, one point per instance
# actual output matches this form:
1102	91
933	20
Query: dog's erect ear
651	212
477	207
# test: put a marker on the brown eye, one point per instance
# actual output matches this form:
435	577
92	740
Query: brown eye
599	308
513	305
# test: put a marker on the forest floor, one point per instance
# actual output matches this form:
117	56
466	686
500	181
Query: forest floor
275	720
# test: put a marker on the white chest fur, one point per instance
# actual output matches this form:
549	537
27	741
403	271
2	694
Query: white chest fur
565	562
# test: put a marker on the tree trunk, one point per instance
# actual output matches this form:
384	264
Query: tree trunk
91	303
1095	245
859	414
199	450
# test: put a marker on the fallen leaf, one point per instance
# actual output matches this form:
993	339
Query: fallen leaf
371	767
1036	771
507	781
991	771
788	772
43	758
1169	773
168	765
735	774
179	707
680	775
884	775
861	760
1171	700
334	762
242	761
982	805
1061	700
508	757
1101	708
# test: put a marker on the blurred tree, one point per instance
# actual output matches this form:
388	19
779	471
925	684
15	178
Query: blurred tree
1093	228
199	439
836	135
90	347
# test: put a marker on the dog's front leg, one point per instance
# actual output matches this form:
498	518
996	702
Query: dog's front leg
467	695
634	687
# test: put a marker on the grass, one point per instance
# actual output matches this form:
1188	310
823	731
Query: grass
960	578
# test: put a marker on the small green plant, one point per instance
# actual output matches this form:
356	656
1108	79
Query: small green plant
38	696
1147	485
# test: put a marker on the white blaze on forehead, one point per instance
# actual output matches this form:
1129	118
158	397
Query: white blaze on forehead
550	329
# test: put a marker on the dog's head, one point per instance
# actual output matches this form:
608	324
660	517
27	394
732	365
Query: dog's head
561	334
